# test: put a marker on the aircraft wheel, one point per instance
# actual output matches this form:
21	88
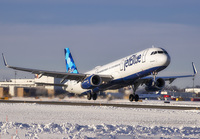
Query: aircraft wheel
136	97
131	97
89	96
94	96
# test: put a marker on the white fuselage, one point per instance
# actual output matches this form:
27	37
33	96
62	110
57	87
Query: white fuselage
139	65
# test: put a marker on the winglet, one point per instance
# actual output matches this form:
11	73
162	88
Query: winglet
4	60
194	69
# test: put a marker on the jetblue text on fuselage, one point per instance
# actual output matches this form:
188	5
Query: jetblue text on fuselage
132	60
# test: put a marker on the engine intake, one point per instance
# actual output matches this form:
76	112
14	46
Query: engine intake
152	86
91	82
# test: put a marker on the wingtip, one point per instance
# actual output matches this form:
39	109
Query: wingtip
194	68
4	60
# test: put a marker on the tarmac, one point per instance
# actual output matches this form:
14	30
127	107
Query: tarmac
136	105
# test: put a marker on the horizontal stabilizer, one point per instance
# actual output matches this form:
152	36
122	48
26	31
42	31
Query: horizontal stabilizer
52	84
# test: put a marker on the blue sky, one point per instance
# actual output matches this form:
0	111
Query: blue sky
34	33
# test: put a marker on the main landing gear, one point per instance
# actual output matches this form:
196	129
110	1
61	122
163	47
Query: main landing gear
91	96
134	96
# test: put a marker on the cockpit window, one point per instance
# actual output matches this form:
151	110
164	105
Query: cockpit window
165	52
158	52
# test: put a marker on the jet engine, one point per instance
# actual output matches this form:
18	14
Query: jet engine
91	82
156	85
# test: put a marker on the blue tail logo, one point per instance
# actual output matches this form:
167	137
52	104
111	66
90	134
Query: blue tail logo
70	65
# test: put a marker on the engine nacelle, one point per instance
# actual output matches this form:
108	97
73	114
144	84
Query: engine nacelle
91	82
152	86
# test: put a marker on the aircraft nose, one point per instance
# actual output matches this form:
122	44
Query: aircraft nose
165	60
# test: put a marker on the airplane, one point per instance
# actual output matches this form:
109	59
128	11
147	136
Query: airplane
133	70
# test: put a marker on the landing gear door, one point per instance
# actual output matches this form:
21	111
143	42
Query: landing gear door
144	56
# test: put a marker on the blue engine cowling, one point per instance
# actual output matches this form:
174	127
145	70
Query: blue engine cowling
152	86
91	82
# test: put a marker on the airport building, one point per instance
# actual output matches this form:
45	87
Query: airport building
30	87
193	90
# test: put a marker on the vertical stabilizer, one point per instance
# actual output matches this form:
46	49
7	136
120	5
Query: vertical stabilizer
70	65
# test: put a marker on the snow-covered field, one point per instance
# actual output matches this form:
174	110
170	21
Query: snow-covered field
61	121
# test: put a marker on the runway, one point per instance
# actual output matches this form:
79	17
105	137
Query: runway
131	105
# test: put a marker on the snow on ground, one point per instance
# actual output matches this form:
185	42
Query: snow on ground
61	121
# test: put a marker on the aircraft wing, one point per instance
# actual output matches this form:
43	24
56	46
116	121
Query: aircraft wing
64	75
171	78
166	78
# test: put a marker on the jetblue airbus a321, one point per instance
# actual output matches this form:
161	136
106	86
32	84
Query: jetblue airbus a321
133	70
